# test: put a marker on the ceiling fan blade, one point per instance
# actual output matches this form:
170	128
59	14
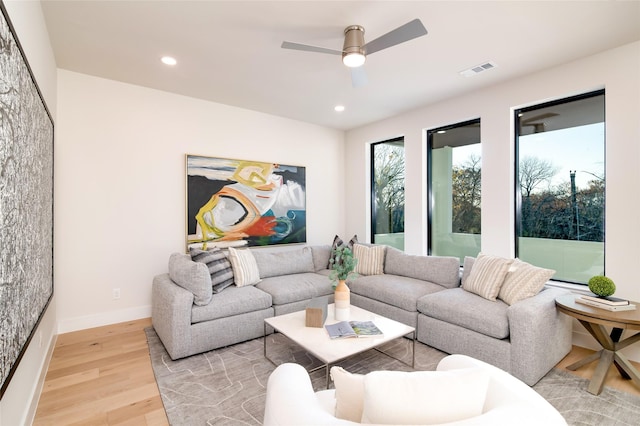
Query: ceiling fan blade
308	48
406	32
358	77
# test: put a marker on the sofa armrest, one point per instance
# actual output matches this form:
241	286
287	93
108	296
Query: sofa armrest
171	315
291	400
540	335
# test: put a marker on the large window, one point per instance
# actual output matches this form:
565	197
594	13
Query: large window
454	161
387	193
560	186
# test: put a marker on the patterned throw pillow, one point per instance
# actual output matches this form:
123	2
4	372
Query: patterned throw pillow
522	281
337	242
370	259
487	276
245	268
218	264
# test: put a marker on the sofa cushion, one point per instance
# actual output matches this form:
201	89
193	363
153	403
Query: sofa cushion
274	263
424	397
191	276
398	291
443	270
487	275
294	288
233	301
370	259
245	268
321	255
523	281
349	394
218	265
466	268
468	310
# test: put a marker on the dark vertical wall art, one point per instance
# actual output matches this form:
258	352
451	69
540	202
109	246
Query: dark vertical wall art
26	203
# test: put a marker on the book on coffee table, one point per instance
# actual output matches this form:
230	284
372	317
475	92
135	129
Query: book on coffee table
346	329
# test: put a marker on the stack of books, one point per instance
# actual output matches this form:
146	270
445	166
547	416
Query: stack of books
609	303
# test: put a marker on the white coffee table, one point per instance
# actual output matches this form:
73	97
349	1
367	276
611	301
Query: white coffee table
316	340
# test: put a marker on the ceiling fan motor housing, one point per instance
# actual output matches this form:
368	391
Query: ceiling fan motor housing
353	43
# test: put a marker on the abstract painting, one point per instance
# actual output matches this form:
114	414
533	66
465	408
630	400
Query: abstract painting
26	203
243	202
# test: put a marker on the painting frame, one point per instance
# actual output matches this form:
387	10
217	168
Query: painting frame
233	202
26	203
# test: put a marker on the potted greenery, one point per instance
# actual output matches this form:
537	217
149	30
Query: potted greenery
342	265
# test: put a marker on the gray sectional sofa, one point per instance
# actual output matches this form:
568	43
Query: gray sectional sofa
526	339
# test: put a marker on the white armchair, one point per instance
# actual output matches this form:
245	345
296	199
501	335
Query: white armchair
291	400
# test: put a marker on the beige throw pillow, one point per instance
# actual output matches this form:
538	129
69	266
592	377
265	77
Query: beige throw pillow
487	275
370	259
523	281
349	394
245	268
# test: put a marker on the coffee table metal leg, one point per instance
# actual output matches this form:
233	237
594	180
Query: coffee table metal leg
413	357
327	373
265	345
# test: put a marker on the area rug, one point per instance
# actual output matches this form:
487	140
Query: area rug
227	386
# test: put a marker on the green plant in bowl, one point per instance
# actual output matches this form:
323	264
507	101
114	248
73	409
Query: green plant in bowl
602	286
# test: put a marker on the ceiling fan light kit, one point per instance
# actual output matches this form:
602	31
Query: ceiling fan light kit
354	50
353	54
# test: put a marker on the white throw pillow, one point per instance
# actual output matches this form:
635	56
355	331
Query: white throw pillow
523	281
245	268
487	276
349	394
370	259
424	397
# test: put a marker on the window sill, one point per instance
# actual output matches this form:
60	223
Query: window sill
575	288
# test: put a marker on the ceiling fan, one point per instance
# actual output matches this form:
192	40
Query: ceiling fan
355	50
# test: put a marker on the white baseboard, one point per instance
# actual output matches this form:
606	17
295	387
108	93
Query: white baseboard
106	318
33	407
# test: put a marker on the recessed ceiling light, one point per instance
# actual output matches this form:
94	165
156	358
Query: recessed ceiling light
339	108
168	60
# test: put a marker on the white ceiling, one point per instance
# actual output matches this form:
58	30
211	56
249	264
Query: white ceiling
229	51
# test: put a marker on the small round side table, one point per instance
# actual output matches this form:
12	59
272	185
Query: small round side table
595	320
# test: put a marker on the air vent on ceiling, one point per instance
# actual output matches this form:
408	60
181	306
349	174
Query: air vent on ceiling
478	69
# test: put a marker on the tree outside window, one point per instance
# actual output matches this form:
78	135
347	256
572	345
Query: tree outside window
387	187
560	215
455	190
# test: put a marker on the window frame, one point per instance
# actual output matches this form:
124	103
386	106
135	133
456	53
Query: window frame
372	193
517	191
430	195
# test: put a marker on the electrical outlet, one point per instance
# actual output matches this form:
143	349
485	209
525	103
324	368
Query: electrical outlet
116	293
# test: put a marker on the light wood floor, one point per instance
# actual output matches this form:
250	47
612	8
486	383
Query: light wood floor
103	376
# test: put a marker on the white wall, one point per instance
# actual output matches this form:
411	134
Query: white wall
120	185
617	70
16	406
